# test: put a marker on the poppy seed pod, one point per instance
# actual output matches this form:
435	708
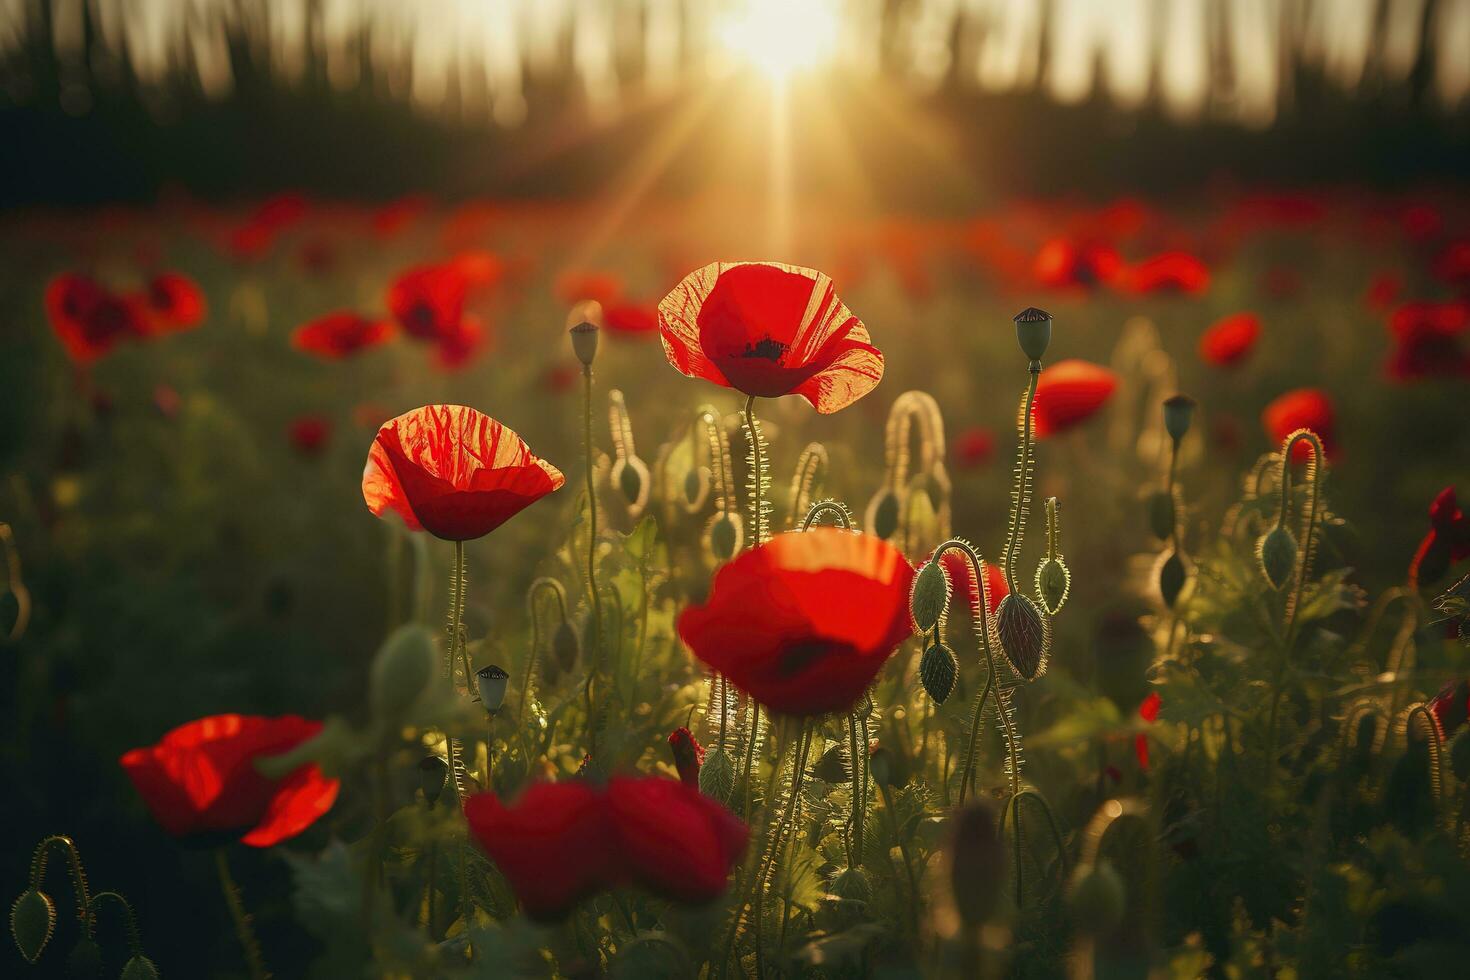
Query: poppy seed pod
433	771
584	342
1277	555
978	865
1033	331
1178	414
32	921
490	682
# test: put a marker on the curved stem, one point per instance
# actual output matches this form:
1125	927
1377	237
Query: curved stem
244	931
135	941
1020	499
74	869
824	507
1314	477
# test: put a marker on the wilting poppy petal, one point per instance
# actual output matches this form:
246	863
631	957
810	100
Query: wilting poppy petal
1303	408
1230	340
340	334
453	472
1069	393
804	622
88	318
200	781
671	839
551	844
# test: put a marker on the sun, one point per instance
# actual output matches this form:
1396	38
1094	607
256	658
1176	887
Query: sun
779	38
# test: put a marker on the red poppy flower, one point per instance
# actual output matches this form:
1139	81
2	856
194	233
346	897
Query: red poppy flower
256	236
974	447
456	348
1303	408
309	434
1452	265
1063	263
172	302
1447	542
1167	272
767	329
551	844
1383	291
672	840
200	781
962	583
340	334
1149	712
1451	707
428	300
88	318
453	472
1230	340
583	286
630	319
1069	393
1428	341
688	755
804	622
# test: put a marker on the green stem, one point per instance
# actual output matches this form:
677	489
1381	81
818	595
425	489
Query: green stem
857	765
452	630
74	869
593	594
244	931
1021	497
758	475
967	774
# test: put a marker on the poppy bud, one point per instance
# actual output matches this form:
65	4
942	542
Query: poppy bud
566	646
888	766
882	515
584	342
832	767
688	756
978	864
930	596
694	486
1172	574
139	967
490	682
631	476
1025	635
725	535
400	671
1097	899
1460	756
1277	554
1053	585
1033	330
717	776
1161	519
433	772
84	960
937	672
32	921
1178	413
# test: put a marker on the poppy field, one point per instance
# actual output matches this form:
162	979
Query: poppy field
440	589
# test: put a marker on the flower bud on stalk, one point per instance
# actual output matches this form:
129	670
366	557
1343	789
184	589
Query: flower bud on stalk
490	682
1178	414
1277	553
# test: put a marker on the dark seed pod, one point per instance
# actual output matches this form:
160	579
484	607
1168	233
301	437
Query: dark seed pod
1161	519
1172	576
717	775
937	672
929	598
584	341
32	921
433	771
1025	635
1053	585
1097	899
139	967
882	516
1033	332
1178	414
491	682
978	864
725	535
1277	554
832	767
84	962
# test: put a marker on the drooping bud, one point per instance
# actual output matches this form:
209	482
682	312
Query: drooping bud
882	515
1097	899
401	671
1025	635
929	598
490	682
938	671
717	776
139	967
725	535
1172	575
1277	554
566	646
32	921
433	772
584	341
832	767
1161	519
1033	330
1053	584
84	962
1178	414
631	476
978	864
688	756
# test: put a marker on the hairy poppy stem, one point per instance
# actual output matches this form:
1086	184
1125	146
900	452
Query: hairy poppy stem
759	475
594	596
244	931
130	919
1314	479
1021	496
857	765
74	869
452	630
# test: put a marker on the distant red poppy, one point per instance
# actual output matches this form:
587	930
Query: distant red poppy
804	622
630	319
200	781
309	434
583	286
962	583
1429	340
1069	393
428	300
90	319
453	472
1447	542
1383	291
1302	408
173	302
395	217
1452	265
340	334
551	844
1167	272
688	755
1149	712
457	347
1062	263
672	840
973	447
1421	222
767	329
1228	341
258	233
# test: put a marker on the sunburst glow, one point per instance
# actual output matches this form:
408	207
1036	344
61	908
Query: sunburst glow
780	38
